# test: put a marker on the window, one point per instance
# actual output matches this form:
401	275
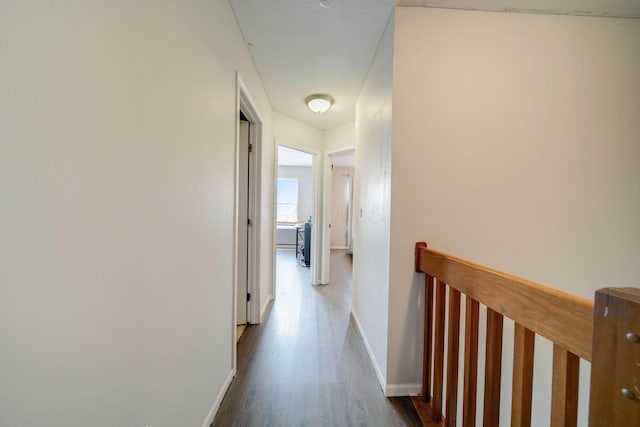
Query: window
287	210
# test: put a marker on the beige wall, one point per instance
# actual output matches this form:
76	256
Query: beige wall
292	133
117	148
340	138
515	145
372	205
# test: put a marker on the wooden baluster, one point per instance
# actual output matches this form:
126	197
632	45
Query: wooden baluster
470	362
438	351
427	348
453	344
493	369
564	390
524	346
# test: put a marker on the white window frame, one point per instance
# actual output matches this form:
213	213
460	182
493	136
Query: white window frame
292	205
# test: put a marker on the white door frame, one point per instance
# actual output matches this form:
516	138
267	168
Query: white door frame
324	220
244	103
243	238
316	236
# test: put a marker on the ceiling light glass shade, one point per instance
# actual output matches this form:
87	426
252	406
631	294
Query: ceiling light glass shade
319	103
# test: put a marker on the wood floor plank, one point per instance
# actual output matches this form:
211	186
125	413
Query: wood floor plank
306	364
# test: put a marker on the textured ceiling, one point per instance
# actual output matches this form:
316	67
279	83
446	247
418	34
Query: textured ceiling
301	48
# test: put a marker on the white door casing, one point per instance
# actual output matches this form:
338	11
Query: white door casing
252	253
244	191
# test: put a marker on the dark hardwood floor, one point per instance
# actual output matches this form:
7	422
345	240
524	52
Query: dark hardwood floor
306	364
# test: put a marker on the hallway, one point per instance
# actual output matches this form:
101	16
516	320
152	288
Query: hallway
309	364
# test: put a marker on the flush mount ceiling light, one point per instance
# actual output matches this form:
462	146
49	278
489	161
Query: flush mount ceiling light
326	3
319	103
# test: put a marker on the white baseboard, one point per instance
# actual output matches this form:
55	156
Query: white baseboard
397	390
218	401
264	307
376	367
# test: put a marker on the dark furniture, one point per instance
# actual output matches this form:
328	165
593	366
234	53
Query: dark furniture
303	244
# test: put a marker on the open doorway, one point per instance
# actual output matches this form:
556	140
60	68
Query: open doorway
244	237
338	245
295	198
341	193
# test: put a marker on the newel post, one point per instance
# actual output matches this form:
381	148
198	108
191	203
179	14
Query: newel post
615	369
419	245
427	328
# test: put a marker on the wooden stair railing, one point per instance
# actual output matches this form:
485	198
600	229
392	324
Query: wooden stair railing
564	319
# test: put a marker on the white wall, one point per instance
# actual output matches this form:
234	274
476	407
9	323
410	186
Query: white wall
340	138
372	199
117	136
304	175
295	134
340	179
515	145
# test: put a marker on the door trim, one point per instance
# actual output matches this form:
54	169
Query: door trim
244	103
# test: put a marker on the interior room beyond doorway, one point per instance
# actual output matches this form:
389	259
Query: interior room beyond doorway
341	194
295	203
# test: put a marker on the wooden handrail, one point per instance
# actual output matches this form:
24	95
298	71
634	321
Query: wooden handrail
611	342
562	318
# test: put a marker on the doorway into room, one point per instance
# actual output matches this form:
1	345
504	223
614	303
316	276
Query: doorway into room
244	237
338	245
295	203
341	180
